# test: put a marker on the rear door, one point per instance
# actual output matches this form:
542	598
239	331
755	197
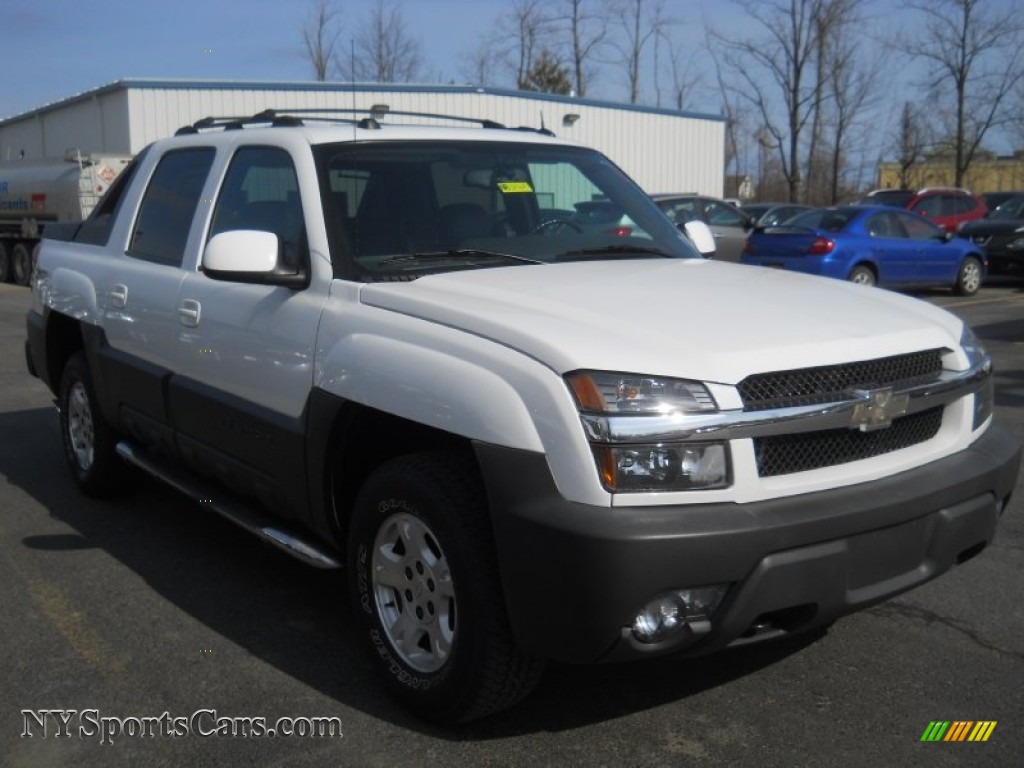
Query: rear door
137	293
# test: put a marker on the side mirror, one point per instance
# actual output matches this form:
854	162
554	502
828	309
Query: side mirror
249	256
701	236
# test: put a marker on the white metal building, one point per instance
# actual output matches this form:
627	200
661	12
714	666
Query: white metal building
664	150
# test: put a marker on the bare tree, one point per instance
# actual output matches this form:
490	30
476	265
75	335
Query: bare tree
320	35
912	141
683	71
527	28
781	62
385	52
974	53
637	29
478	64
586	32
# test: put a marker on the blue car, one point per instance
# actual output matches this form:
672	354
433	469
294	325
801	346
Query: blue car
871	245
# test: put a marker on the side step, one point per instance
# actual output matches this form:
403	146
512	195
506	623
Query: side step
210	495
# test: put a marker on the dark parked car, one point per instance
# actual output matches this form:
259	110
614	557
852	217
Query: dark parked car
994	199
729	225
872	245
773	214
1001	235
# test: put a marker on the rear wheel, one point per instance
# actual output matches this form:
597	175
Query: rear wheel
21	264
968	279
5	263
426	591
89	441
862	275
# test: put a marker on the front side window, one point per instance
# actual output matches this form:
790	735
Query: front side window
165	214
398	210
261	192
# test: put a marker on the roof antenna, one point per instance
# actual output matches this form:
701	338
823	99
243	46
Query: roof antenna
542	128
352	81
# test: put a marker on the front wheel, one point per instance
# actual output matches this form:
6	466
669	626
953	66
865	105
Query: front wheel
426	592
968	279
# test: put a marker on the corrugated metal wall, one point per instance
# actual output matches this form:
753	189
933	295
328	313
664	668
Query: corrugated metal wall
664	151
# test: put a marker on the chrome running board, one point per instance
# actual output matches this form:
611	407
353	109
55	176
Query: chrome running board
212	496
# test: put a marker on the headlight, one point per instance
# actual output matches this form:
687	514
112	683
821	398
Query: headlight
977	357
603	392
620	410
976	354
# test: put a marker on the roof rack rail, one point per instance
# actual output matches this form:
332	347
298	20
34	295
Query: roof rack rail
236	123
299	116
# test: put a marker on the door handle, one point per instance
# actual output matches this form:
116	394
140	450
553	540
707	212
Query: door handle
118	296
188	313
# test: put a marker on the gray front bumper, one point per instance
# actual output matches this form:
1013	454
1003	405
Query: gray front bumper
574	575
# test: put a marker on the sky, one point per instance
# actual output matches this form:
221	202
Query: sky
63	47
54	49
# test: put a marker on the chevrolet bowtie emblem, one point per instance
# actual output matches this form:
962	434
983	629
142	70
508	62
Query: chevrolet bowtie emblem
877	408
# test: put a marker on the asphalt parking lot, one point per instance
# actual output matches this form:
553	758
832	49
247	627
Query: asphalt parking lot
149	607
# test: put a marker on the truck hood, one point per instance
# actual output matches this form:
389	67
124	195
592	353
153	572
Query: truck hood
684	318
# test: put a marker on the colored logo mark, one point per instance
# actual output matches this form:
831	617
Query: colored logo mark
958	730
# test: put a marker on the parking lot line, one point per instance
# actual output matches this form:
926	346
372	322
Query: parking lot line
975	302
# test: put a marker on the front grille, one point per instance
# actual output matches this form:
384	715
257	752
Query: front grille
785	454
830	383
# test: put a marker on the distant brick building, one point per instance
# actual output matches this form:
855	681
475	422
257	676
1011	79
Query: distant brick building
986	174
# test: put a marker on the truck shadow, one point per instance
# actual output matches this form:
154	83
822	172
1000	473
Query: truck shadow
295	617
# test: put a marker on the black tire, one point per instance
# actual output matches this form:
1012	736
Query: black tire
89	441
21	264
862	275
5	263
425	516
968	277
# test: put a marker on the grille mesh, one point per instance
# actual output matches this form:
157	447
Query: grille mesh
810	386
785	454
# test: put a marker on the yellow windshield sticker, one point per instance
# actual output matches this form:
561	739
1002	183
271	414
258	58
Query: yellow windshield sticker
514	186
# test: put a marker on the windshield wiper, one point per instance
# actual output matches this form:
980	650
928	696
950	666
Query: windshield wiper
638	250
459	253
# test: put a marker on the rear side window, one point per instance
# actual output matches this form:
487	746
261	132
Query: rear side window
165	215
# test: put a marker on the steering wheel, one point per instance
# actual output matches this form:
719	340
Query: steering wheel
551	226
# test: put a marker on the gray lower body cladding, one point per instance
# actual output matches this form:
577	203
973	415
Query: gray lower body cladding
575	576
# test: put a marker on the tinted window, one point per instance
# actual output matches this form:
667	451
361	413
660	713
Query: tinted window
929	206
261	192
886	225
165	216
723	215
96	229
919	229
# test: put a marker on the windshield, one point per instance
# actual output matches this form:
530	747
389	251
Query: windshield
398	210
1010	210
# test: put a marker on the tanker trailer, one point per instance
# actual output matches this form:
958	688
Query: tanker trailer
38	192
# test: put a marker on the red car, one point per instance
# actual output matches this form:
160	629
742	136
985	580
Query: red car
949	207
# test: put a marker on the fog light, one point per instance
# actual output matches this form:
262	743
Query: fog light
670	613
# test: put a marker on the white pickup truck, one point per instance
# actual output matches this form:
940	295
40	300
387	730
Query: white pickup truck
480	369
